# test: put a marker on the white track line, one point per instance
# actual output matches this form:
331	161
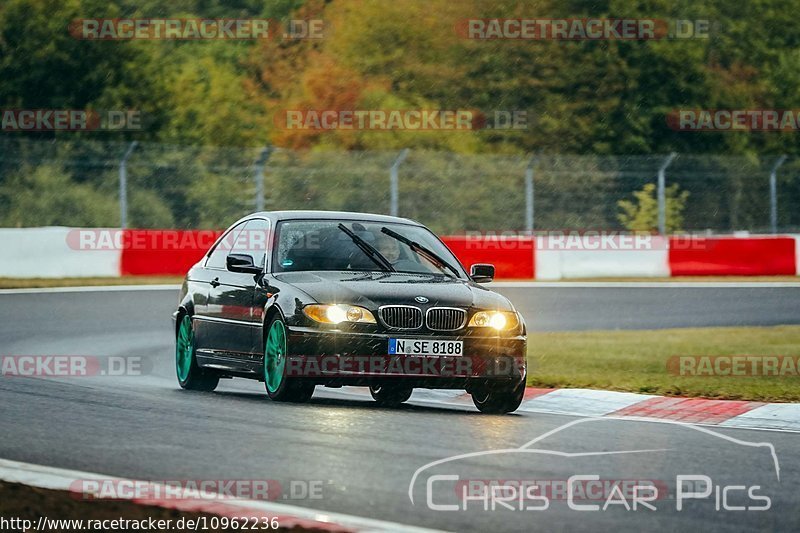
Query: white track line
93	288
62	479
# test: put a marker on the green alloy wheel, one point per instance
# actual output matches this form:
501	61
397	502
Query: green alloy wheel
280	387
190	375
275	356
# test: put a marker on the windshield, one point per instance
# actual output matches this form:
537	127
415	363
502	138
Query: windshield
304	245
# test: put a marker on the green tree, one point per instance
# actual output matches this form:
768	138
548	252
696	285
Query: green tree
641	213
47	196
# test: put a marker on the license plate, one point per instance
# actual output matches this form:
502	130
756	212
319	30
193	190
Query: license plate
425	347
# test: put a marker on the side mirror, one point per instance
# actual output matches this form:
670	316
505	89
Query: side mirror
242	263
481	272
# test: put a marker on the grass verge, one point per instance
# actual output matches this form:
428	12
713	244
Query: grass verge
636	361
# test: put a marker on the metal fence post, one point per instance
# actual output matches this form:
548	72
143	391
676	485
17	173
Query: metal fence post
261	162
394	183
123	186
529	194
662	194
773	195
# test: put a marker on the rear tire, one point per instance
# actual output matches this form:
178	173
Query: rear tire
190	375
498	400
389	396
280	387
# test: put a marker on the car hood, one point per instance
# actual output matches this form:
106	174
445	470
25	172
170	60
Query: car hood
375	289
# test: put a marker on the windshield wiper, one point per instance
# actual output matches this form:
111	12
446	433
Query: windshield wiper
368	249
421	250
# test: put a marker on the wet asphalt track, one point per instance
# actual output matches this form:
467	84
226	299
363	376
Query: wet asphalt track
364	457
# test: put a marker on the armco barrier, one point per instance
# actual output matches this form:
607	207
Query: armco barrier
56	252
734	256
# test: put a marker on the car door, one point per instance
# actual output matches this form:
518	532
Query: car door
206	316
230	302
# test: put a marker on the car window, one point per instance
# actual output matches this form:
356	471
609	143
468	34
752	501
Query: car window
253	240
303	245
223	247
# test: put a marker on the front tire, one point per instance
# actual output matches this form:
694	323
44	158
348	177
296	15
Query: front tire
498	400
190	375
280	387
388	396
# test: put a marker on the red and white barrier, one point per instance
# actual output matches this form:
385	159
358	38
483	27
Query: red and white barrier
149	253
49	253
512	256
57	252
590	260
735	256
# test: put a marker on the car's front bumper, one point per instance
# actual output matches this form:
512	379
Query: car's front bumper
362	358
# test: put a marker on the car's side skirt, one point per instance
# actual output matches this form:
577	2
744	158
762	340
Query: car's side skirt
234	362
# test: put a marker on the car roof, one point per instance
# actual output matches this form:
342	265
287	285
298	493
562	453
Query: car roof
278	216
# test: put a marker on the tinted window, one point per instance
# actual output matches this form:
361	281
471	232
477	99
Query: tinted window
322	245
224	247
253	240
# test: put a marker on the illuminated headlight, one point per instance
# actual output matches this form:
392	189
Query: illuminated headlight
335	314
498	320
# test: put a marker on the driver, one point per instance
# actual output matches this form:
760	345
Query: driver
389	248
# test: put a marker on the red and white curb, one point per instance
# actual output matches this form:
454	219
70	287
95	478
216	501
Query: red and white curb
288	516
598	403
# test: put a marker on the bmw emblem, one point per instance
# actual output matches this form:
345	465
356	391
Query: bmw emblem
421	299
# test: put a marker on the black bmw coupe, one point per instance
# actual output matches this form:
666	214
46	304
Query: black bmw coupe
298	299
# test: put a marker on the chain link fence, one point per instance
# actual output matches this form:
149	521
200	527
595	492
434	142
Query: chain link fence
80	182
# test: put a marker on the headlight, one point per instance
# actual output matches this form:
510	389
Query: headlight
334	314
499	320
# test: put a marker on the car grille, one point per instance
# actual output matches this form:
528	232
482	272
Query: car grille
445	318
401	316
